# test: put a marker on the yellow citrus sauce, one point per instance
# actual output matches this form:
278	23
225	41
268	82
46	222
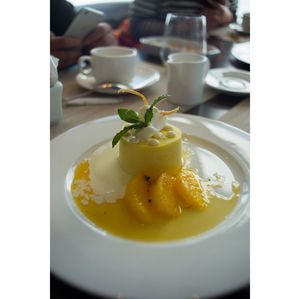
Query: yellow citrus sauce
116	218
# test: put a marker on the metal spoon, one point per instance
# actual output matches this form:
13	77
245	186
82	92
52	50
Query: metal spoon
105	88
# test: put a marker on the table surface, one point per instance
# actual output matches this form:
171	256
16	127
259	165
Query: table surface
231	110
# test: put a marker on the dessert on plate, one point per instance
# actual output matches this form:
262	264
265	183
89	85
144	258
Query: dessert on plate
141	185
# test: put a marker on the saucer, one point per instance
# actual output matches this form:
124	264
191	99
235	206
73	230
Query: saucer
144	77
241	52
239	28
152	45
232	82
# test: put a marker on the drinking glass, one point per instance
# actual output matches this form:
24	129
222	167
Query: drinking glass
183	33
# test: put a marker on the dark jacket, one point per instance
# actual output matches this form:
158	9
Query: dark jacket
61	15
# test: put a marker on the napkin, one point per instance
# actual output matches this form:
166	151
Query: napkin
53	70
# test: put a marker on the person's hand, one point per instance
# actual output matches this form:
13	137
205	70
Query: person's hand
102	35
66	49
218	14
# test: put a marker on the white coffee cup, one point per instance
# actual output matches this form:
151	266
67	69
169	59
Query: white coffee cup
246	22
110	64
186	77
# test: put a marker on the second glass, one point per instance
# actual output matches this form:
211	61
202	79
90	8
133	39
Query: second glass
183	33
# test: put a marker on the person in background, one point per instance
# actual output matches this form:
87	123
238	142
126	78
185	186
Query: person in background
69	49
148	17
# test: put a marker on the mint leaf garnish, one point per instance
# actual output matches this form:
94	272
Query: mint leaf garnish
132	117
149	111
118	136
129	116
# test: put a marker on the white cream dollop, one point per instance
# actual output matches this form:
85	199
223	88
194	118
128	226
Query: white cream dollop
157	122
107	179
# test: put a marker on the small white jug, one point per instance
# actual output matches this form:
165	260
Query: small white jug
186	77
56	103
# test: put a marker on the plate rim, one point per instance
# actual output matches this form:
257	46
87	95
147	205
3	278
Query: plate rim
113	117
238	27
233	52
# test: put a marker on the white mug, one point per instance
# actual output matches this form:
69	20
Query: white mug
110	64
186	77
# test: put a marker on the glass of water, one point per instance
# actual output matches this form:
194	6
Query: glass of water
183	33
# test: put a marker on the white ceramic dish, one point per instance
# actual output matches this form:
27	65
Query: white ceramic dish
210	264
229	81
241	52
152	45
239	28
145	77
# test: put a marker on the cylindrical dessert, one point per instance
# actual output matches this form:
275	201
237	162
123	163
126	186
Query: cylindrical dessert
151	157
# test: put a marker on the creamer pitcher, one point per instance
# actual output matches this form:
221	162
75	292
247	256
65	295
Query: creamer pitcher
186	77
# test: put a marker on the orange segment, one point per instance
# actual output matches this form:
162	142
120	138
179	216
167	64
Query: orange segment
164	197
188	187
137	198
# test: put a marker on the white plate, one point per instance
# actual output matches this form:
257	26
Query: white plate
153	44
239	28
210	264
145	77
229	81
242	52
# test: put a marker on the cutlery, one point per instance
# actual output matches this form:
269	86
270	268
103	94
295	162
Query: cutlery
105	88
93	101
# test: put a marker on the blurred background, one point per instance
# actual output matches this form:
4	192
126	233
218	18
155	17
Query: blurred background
116	10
